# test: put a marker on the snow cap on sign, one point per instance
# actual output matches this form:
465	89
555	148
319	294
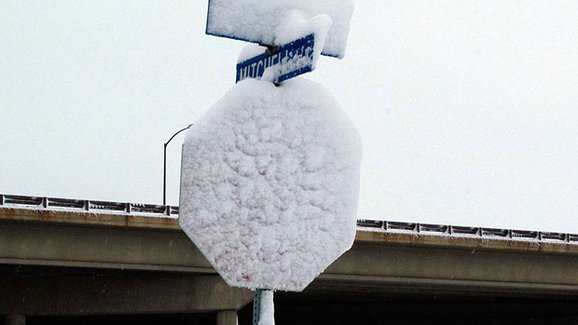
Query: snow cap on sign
302	40
257	20
294	25
270	182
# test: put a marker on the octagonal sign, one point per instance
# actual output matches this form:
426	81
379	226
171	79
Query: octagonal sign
270	182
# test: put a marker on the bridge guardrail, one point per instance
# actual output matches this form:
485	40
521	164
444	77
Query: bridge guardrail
152	210
36	202
451	230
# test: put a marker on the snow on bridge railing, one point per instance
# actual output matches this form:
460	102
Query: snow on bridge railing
35	202
450	230
72	205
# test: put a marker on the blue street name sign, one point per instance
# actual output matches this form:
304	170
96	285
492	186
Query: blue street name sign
289	61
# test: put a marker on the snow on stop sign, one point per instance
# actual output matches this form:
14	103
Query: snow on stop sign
269	184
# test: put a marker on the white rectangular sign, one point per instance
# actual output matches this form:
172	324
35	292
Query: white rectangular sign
256	20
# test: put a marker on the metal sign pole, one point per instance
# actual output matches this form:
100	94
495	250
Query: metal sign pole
263	307
257	306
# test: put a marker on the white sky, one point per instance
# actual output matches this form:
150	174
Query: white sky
468	109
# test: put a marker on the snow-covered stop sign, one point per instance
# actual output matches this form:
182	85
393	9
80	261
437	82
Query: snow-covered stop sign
270	182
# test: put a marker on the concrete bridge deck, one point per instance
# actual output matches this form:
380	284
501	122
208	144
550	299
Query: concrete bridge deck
87	260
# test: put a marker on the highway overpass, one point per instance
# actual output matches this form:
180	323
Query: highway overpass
77	261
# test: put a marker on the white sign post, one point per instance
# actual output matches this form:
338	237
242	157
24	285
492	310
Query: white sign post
270	174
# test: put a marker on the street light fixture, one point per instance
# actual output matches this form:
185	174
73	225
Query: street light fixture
165	162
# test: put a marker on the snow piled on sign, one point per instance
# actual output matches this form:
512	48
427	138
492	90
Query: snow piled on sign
295	25
257	20
292	26
270	182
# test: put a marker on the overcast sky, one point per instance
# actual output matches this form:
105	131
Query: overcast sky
468	109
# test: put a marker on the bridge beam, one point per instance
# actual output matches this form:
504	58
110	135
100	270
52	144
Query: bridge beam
378	261
458	269
103	246
125	293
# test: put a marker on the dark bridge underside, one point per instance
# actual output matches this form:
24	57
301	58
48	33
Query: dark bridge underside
406	306
407	311
324	302
303	311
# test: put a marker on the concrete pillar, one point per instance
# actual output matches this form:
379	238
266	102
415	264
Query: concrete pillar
14	320
227	317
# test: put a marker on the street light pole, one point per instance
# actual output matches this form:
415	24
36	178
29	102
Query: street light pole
165	163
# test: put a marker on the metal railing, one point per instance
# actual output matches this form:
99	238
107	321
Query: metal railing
36	202
450	230
59	204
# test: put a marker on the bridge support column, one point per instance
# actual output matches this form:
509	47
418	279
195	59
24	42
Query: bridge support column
227	317
14	320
